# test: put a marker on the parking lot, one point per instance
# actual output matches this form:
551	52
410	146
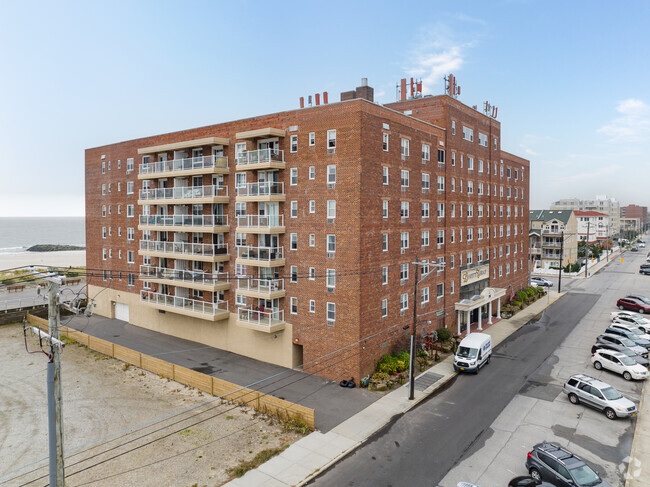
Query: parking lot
542	412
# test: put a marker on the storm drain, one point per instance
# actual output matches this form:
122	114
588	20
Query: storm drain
425	380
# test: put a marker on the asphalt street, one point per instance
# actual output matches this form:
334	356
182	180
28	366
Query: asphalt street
419	448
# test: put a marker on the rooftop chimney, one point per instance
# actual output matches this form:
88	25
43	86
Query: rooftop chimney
364	91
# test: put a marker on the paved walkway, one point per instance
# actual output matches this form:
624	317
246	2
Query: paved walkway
316	452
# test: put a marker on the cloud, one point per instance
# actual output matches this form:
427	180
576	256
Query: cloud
583	176
633	124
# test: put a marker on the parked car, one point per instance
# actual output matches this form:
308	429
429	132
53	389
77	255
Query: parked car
634	248
618	363
624	342
641	244
541	281
527	481
625	351
552	463
645	271
632	318
599	395
631	329
631	336
474	351
633	305
643	299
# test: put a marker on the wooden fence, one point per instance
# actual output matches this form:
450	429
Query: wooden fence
265	403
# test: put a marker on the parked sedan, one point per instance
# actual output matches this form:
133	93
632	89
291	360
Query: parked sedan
635	330
633	304
631	318
625	351
622	341
618	363
541	281
634	248
645	271
631	336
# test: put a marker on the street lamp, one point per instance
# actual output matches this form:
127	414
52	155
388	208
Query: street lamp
439	265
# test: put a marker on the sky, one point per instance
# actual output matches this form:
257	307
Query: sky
570	79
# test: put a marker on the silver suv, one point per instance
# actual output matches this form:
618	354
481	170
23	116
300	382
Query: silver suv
599	395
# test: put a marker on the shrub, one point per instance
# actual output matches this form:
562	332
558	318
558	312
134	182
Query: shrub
393	363
379	376
444	334
530	292
521	296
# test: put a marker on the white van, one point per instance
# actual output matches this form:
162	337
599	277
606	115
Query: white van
473	353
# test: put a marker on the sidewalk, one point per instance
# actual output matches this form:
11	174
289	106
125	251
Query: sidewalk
316	452
640	446
591	268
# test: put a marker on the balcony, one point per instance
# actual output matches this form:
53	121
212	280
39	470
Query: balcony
190	166
203	281
546	255
267	224
260	256
184	195
535	251
261	288
185	223
185	250
260	159
268	321
185	306
265	191
552	231
552	244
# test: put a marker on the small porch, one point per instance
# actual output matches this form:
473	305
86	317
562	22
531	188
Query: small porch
476	305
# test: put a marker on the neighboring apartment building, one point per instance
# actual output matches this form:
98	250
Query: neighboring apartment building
601	204
547	230
592	226
286	237
635	211
630	225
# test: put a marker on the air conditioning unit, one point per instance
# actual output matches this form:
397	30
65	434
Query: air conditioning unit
330	323
402	251
330	289
330	255
330	220
331	151
330	186
402	313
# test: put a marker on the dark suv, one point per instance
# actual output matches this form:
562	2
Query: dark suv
550	462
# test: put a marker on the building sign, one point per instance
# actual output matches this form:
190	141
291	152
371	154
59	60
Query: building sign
468	276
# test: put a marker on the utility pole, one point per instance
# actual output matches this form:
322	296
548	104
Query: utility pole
559	279
54	392
587	248
607	236
415	321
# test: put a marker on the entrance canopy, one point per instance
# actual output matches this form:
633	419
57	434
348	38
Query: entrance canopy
466	306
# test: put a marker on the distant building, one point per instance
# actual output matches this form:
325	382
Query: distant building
547	229
602	204
630	225
635	211
592	226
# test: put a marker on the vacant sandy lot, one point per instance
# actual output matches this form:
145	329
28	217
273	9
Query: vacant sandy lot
122	427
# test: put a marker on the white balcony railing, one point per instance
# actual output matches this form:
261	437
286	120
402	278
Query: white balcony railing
187	276
184	220
266	254
261	155
260	189
267	317
188	192
173	165
266	286
186	304
184	248
260	221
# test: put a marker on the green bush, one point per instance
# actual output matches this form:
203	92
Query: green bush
530	291
521	296
393	363
444	334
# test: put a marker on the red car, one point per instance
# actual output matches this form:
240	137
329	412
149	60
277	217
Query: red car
633	304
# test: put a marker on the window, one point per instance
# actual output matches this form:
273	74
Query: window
453	159
440	290
331	243
424	295
130	164
404	272
294	306
384	276
426	152
103	190
453	210
312	172
453	185
130	211
330	279
404	302
384	178
331	313
384	242
441	210
384	308
240	300
294	241
441	184
294	209
452	236
331	140
240	180
130	257
294	176
129	187
312	138
404	178
294	273
451	287
119	254
103	232
240	209
468	134
480	189
384	143
470	187
453	127
131	279
425	210
495	143
480	234
294	143
508	172
441	156
482	139
384	208
426	182
404	209
331	209
331	174
404	240
452	264
104	254
470	211
441	237
312	306
130	233
470	163
470	234
405	147
312	206
425	238
109	187
119	186
312	273
479	253
119	209
119	231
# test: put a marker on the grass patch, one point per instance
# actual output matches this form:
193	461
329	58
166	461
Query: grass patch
262	457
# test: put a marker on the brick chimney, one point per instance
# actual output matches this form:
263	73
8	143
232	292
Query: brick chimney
364	91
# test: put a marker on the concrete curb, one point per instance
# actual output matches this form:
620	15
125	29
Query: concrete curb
640	446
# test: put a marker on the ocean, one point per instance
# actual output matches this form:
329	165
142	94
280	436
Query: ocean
18	234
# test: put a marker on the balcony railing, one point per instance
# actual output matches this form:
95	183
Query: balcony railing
188	192
555	231
261	155
260	221
546	255
535	250
268	317
186	304
266	286
173	165
552	244
188	276
260	253
184	248
260	189
184	220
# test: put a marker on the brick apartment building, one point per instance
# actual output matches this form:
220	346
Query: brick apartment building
287	237
635	211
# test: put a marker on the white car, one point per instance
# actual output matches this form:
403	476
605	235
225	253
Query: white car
638	333
641	244
633	319
619	363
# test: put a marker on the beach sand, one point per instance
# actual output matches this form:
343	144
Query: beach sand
55	259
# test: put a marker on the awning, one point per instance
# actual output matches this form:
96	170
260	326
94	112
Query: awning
487	295
184	145
265	132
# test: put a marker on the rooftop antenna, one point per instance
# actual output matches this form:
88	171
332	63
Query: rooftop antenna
451	87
